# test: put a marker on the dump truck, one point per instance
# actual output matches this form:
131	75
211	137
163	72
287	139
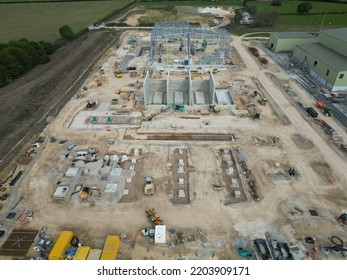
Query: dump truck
65	240
111	248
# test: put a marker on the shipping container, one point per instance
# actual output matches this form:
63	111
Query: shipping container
111	248
82	253
65	240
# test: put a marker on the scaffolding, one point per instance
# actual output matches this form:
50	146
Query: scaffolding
176	44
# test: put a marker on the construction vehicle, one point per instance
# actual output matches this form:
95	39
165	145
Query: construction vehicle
148	232
326	110
85	194
153	217
262	100
246	254
118	75
149	186
217	187
214	109
174	106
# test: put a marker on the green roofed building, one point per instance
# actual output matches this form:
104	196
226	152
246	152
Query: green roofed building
285	41
326	60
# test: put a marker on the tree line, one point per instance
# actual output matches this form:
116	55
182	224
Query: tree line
18	57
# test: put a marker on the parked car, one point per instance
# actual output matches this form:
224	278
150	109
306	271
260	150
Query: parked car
47	244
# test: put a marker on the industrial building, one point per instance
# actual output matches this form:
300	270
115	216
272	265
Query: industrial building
286	41
326	60
184	92
181	44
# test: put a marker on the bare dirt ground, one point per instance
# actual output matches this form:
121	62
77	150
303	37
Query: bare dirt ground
209	227
41	88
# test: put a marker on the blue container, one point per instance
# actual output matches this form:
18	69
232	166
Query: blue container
159	60
186	62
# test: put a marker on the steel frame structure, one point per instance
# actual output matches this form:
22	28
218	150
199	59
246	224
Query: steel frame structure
189	44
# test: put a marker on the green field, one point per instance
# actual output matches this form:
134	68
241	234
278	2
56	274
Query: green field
41	21
313	20
290	7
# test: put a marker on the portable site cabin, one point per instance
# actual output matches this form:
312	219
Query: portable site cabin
65	240
111	248
82	253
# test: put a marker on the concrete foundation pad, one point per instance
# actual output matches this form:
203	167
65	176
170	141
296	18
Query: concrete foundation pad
200	97
158	97
179	100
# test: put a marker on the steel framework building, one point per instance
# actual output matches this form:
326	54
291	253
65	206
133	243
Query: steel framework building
179	43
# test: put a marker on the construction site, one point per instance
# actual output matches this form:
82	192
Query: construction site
181	144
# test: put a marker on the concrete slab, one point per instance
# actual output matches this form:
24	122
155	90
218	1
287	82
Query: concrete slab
237	194
158	97
71	172
234	183
160	234
111	188
179	100
116	171
61	192
230	171
180	169
200	97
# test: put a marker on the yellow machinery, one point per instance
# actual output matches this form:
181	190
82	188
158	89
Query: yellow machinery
153	217
85	193
111	248
149	186
65	240
214	109
196	76
119	75
82	253
262	100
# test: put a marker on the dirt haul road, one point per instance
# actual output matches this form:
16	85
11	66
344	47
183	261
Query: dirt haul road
26	100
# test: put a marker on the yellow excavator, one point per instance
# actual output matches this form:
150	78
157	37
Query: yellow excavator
262	100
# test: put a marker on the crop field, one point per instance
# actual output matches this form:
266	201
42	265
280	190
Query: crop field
313	20
41	21
289	7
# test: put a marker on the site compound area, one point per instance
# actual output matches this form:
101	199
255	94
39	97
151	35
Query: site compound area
181	143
